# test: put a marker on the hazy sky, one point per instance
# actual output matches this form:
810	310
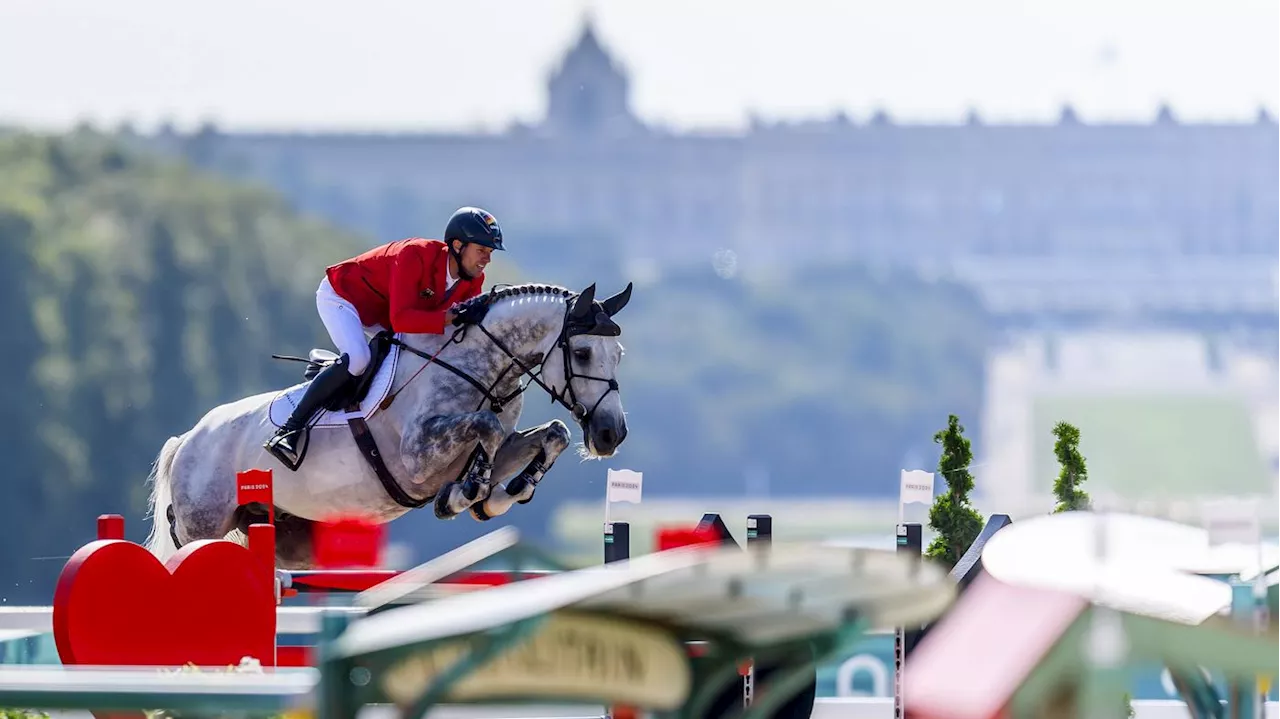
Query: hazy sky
418	64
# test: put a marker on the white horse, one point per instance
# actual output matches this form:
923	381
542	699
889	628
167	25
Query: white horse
447	434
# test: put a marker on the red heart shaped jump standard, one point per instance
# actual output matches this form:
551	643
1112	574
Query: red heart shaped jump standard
211	605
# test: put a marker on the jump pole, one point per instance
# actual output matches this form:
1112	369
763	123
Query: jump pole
759	531
908	545
617	542
621	485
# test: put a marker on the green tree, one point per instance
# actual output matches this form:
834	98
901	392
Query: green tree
135	294
1073	473
951	516
1067	489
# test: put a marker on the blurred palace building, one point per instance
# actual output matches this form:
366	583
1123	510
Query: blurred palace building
1062	220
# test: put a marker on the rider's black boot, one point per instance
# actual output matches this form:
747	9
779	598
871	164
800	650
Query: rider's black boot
284	445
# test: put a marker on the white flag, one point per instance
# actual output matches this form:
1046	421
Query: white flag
916	486
624	486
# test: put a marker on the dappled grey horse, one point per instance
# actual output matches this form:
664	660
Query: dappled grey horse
433	422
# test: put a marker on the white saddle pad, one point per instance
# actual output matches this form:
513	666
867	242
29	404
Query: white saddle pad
284	402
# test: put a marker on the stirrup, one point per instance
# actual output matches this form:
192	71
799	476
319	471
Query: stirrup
277	448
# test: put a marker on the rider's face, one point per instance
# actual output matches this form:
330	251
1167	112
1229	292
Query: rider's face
475	258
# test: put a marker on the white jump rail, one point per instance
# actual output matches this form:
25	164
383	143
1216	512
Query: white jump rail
408	585
844	708
22	622
16	622
121	688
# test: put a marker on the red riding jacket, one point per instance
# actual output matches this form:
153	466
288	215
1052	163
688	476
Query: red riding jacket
401	285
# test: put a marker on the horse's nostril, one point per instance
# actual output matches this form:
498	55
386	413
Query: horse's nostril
607	437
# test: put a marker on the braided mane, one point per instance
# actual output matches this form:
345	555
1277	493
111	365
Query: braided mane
502	292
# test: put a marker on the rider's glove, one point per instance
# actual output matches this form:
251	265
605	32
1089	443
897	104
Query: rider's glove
470	313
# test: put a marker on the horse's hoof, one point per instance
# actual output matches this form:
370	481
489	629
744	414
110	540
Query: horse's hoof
477	511
518	485
442	503
475	489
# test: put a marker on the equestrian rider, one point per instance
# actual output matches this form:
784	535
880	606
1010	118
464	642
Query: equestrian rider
408	285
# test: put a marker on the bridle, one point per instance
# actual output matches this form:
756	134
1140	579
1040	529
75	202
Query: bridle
575	324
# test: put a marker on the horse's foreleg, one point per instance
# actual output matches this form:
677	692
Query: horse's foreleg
430	448
530	452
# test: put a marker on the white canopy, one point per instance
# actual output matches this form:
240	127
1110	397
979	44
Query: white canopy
760	595
1130	562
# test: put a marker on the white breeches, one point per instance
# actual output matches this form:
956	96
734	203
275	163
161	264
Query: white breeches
342	321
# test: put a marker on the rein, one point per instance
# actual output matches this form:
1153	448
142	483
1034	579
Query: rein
568	399
453	339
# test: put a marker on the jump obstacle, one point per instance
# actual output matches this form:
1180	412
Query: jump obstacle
710	529
676	623
250	569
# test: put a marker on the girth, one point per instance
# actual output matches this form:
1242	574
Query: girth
369	448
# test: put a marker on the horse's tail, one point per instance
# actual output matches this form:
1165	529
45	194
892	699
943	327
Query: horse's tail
160	542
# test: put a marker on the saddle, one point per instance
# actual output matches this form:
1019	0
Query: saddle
348	398
354	391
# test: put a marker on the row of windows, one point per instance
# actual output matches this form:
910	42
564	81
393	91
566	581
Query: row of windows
892	218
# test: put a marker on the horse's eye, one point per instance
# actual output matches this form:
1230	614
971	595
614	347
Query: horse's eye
582	354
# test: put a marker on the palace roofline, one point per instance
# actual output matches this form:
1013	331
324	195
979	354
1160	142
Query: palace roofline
833	125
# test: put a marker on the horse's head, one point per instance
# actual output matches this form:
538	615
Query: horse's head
582	368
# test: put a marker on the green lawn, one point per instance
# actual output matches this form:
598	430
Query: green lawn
1147	445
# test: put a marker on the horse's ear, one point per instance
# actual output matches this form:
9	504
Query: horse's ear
582	305
614	305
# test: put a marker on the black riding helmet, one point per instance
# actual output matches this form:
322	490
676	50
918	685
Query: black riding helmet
472	224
